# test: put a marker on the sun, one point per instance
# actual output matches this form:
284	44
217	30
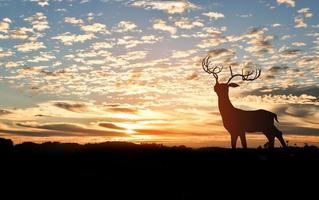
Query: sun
130	131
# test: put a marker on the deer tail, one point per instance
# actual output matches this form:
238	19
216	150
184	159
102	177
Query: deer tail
275	117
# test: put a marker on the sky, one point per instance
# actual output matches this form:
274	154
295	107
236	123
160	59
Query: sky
112	70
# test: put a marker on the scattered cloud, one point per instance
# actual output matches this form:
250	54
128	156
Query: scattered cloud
5	25
95	28
70	129
102	45
214	15
111	126
290	3
41	3
70	106
5	53
305	12
192	76
38	21
276	25
298	44
185	23
135	55
300	23
183	54
125	26
30	46
130	42
290	52
68	39
171	7
73	20
162	26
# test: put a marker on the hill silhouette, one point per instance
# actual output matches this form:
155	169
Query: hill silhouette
168	169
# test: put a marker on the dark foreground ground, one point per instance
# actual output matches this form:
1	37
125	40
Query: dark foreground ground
178	172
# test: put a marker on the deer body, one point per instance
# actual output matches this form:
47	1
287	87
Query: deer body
238	122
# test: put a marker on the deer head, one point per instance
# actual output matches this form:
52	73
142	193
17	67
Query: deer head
222	88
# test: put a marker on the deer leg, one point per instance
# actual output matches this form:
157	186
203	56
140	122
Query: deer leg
233	141
271	143
278	135
271	139
282	141
243	140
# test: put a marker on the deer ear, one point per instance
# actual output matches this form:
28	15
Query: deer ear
233	85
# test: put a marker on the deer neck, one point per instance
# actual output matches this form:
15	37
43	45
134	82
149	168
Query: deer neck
224	104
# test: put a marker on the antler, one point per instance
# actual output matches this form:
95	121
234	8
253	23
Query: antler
209	69
245	77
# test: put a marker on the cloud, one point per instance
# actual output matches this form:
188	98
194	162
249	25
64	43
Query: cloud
298	44
135	55
170	7
212	37
95	28
215	31
41	3
260	45
70	106
21	33
221	55
305	113
44	57
255	32
308	61
73	20
68	39
125	26
183	54
13	64
290	53
276	69
31	71
305	12
301	111
30	46
70	129
38	21
102	45
290	3
214	15
193	76
34	133
120	108
300	23
161	25
294	94
5	25
110	126
285	37
276	25
212	42
4	112
5	53
185	23
130	42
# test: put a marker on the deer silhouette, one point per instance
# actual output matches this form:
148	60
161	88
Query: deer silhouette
236	121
